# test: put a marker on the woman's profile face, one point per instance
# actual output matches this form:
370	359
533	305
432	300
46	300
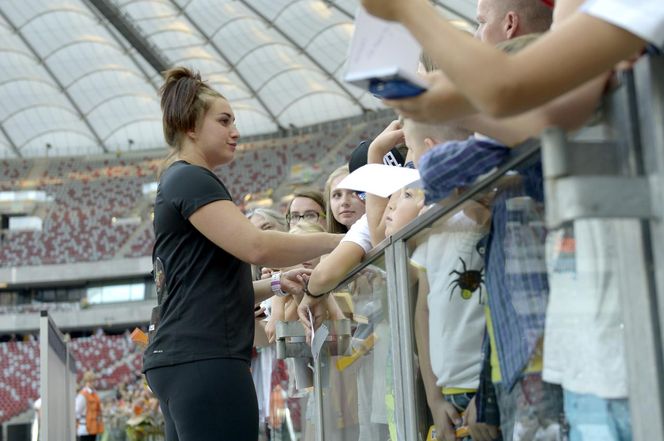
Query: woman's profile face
216	135
346	207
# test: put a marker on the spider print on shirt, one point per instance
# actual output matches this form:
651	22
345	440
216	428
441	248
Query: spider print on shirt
468	281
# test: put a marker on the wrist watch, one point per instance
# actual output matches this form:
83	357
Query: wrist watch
275	285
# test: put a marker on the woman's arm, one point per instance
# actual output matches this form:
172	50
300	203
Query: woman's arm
327	275
335	267
375	205
580	48
225	225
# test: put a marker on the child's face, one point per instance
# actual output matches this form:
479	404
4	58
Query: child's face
404	206
346	207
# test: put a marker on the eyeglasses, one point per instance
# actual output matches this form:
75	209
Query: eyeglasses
308	216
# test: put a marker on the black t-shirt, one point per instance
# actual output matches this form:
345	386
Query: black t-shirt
207	293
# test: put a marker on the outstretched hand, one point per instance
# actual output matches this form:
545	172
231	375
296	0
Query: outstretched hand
311	305
438	104
318	312
293	281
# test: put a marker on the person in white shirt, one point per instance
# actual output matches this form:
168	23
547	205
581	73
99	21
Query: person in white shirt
591	262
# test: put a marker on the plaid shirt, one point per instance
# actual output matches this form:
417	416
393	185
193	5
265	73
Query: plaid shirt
516	276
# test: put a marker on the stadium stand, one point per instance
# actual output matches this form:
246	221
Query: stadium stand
90	195
114	357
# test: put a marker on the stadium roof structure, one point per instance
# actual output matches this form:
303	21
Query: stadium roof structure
80	77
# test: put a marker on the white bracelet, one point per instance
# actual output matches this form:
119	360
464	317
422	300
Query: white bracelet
275	285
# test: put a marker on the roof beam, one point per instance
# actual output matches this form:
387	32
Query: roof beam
57	81
330	75
132	34
340	9
121	43
11	142
228	62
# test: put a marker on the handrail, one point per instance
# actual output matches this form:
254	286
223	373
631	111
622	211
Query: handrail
520	155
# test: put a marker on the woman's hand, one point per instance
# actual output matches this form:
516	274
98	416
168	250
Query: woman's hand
293	281
314	307
311	306
430	106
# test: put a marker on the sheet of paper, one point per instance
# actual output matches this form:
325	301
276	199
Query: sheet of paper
380	49
318	340
379	179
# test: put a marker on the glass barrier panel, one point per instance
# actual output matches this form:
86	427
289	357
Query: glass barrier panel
519	328
449	302
357	377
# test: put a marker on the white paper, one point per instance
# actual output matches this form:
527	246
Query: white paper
379	179
381	49
318	340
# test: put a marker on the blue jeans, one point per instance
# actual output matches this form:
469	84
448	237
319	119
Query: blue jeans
592	418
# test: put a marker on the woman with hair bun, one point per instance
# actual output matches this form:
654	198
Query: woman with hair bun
201	333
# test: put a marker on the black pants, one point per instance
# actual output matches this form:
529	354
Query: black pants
207	400
87	437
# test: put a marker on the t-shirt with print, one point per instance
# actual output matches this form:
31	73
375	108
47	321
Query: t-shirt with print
591	264
207	294
454	266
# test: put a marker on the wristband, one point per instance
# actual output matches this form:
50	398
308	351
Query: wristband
306	291
275	285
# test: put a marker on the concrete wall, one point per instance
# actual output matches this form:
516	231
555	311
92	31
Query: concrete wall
75	272
111	314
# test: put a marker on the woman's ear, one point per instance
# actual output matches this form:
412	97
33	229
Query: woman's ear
191	134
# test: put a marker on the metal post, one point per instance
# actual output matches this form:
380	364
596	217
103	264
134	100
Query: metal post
397	349
645	311
406	339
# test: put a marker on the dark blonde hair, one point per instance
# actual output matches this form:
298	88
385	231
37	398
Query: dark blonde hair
277	219
185	98
312	194
333	225
306	228
516	44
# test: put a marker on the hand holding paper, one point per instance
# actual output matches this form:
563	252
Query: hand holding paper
383	58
